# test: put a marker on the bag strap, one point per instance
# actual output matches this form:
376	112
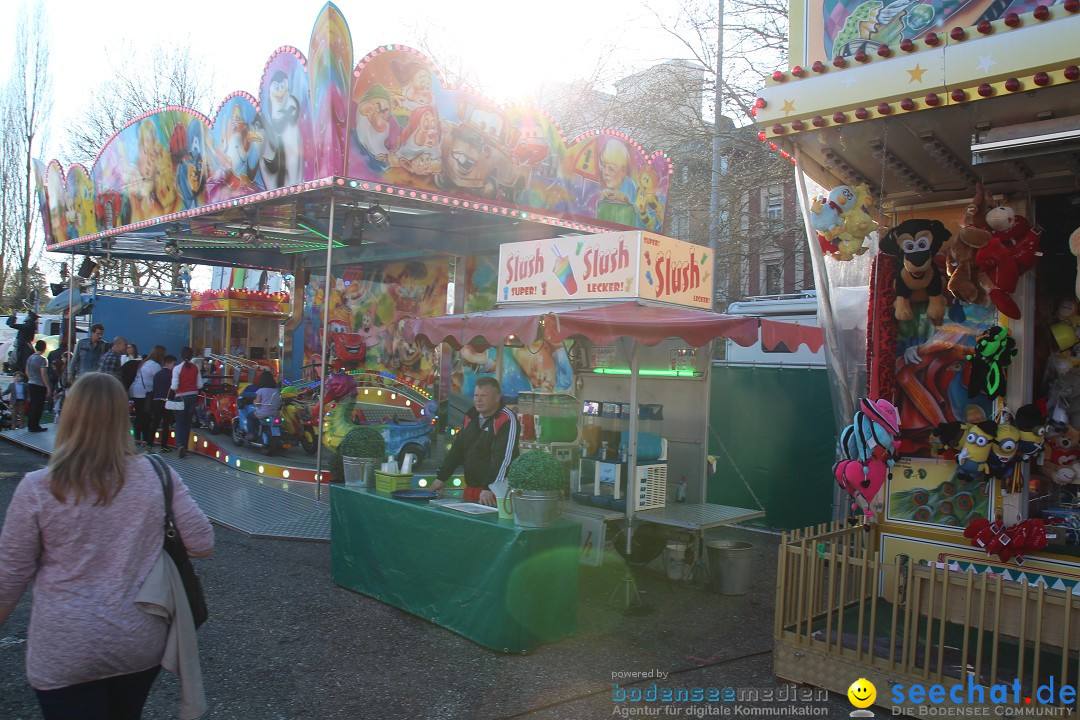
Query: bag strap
165	477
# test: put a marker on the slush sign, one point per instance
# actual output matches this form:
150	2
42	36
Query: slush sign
607	266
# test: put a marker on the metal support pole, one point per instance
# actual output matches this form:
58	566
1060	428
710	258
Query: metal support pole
325	354
717	147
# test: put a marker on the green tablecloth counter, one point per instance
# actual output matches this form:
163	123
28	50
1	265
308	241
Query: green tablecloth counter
504	587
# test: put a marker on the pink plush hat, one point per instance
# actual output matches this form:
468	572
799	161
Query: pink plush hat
881	412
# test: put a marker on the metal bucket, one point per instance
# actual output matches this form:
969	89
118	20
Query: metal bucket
675	561
533	508
730	566
359	472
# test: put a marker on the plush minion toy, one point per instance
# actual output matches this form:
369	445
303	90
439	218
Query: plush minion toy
1032	425
1002	460
975	450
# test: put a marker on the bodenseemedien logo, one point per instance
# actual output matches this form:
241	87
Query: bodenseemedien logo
862	694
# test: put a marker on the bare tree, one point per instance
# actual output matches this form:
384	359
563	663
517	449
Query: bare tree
140	83
26	103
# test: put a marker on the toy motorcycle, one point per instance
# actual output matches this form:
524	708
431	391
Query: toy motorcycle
292	426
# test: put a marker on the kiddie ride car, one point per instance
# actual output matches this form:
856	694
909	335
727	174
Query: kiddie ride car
292	426
403	413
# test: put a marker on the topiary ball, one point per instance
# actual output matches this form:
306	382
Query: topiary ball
536	470
363	442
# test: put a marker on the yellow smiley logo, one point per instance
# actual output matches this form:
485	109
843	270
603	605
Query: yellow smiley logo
862	693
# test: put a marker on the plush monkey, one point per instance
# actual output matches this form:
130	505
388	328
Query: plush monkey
916	242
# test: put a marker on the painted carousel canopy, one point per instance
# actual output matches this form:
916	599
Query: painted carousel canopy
384	136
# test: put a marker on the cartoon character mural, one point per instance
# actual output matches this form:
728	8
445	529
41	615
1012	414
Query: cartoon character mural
331	60
391	120
286	123
237	147
368	305
849	26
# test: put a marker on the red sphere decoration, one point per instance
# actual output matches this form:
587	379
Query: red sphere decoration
957	33
1012	85
1041	79
862	113
818	121
760	136
778	129
884	108
839	61
1041	13
932	39
1071	5
861	56
907	104
778	76
818	66
1072	72
986	90
839	117
884	51
797	71
959	95
907	45
760	103
1012	20
984	27
798	126
932	99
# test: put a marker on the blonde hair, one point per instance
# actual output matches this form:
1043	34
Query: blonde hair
93	441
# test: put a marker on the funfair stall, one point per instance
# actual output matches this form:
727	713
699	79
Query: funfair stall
632	313
952	131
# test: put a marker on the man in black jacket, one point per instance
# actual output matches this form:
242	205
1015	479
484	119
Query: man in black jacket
488	441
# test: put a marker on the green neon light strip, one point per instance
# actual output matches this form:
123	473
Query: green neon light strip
653	373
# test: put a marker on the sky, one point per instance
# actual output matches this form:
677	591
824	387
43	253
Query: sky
513	47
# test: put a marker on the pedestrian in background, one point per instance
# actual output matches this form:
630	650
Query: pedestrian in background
88	354
110	360
87	530
161	418
17	392
142	391
37	383
186	383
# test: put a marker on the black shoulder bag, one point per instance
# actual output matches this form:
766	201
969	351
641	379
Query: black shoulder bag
174	545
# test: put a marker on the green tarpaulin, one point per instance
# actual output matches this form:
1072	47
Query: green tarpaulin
777	424
504	587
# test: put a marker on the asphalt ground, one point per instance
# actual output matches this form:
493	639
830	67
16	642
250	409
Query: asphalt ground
284	642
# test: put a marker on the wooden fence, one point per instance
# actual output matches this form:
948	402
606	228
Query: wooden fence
842	613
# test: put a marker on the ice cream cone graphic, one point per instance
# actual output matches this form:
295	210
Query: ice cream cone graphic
564	272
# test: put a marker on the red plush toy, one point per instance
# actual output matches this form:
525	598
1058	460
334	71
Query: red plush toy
1016	234
1007	542
998	275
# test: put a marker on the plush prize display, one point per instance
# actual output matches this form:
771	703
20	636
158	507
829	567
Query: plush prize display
1007	542
1010	251
843	221
960	258
1032	425
994	351
916	242
869	447
1062	463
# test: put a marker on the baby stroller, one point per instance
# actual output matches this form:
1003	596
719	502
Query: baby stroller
5	415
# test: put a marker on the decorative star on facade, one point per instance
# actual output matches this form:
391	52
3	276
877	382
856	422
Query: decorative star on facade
848	79
789	107
916	73
985	63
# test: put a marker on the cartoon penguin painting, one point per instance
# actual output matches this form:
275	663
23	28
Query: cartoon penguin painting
282	159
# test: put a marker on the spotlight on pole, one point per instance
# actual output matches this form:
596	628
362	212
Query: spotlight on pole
377	216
